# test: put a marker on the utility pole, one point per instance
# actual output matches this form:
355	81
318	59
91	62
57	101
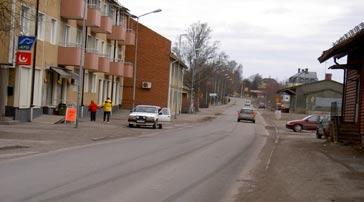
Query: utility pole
34	60
82	61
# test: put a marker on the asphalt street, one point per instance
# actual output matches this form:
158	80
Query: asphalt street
200	162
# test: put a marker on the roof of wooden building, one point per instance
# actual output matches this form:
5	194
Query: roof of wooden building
353	40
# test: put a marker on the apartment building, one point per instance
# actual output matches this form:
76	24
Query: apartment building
60	46
153	69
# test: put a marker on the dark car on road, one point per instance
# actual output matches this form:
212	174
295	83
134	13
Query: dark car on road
310	122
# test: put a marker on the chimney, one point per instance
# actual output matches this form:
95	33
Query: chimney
299	70
328	77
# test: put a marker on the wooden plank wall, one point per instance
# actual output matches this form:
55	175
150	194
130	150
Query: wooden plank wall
361	117
350	95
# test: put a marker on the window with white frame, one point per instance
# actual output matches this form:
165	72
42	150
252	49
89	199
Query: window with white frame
53	32
78	37
96	47
86	82
25	21
92	84
120	53
102	51
109	51
41	26
66	34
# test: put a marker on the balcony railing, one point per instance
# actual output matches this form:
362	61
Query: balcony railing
117	68
93	16
69	54
128	69
130	37
104	64
91	60
105	25
72	9
118	33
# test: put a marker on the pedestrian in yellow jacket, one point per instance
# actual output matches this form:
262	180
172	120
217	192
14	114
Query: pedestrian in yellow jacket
107	109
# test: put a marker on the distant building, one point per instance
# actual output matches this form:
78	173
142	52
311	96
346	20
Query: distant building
303	76
313	97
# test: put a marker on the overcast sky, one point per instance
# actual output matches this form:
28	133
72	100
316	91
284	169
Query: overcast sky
270	37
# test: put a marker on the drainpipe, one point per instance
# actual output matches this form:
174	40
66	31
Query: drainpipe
114	57
83	74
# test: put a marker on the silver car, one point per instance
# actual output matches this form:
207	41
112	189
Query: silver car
247	114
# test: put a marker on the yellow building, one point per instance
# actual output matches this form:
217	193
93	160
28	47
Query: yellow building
59	50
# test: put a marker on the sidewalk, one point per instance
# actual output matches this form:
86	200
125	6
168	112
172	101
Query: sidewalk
299	167
42	135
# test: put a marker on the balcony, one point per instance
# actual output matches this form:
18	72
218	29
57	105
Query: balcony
118	33
130	37
93	16
69	55
105	26
72	9
104	64
128	69
91	60
117	68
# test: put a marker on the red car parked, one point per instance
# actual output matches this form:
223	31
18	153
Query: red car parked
308	123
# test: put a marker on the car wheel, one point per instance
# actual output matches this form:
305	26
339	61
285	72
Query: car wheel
254	121
238	120
297	128
131	125
160	126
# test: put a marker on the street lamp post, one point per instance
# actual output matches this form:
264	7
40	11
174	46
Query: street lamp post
136	48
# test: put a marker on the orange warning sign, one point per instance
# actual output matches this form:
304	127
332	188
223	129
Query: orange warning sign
71	114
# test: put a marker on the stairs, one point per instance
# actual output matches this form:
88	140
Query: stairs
349	133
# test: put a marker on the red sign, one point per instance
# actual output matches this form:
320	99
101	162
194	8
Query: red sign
71	114
23	58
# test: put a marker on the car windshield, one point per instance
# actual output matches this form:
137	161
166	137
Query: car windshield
312	118
146	109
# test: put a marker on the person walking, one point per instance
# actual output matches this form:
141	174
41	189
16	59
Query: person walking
107	109
93	108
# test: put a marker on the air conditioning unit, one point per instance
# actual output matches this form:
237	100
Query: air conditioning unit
146	84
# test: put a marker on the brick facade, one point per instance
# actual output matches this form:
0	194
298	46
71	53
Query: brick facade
153	65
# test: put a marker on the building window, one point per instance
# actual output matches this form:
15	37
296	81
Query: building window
86	82
78	37
66	35
53	32
93	83
109	51
97	47
102	51
25	20
41	26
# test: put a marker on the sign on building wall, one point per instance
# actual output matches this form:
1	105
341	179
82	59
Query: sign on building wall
23	58
25	42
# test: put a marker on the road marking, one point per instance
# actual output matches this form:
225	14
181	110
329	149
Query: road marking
270	157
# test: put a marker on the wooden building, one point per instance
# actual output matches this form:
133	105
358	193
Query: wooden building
351	123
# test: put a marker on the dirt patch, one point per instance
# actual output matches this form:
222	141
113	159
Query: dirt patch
303	168
207	118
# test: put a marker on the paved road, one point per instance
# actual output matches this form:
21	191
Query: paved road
196	163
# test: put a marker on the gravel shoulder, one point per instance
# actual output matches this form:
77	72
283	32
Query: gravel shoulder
299	167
